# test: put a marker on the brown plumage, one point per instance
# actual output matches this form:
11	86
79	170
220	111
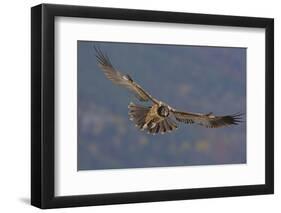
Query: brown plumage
147	118
157	118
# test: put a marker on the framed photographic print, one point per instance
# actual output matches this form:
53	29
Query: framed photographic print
139	106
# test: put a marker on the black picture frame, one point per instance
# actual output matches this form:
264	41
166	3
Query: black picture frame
43	102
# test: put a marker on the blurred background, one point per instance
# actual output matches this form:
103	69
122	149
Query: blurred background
189	78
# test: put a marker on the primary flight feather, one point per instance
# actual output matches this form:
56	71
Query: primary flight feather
159	117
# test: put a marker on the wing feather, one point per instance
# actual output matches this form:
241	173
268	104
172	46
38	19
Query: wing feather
207	120
118	78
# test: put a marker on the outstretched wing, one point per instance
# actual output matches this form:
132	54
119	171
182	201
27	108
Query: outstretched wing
207	120
118	78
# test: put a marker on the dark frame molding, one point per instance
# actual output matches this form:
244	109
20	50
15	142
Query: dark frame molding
42	105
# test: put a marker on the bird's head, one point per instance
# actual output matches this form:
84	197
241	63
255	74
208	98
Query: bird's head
163	111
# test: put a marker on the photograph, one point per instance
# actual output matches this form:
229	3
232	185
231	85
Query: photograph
138	105
146	105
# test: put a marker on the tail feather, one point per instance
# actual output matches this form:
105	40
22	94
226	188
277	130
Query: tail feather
166	125
155	129
171	124
162	128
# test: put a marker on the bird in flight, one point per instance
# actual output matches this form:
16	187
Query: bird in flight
159	117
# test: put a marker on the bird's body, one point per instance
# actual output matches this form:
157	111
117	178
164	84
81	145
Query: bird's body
153	116
158	118
154	119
